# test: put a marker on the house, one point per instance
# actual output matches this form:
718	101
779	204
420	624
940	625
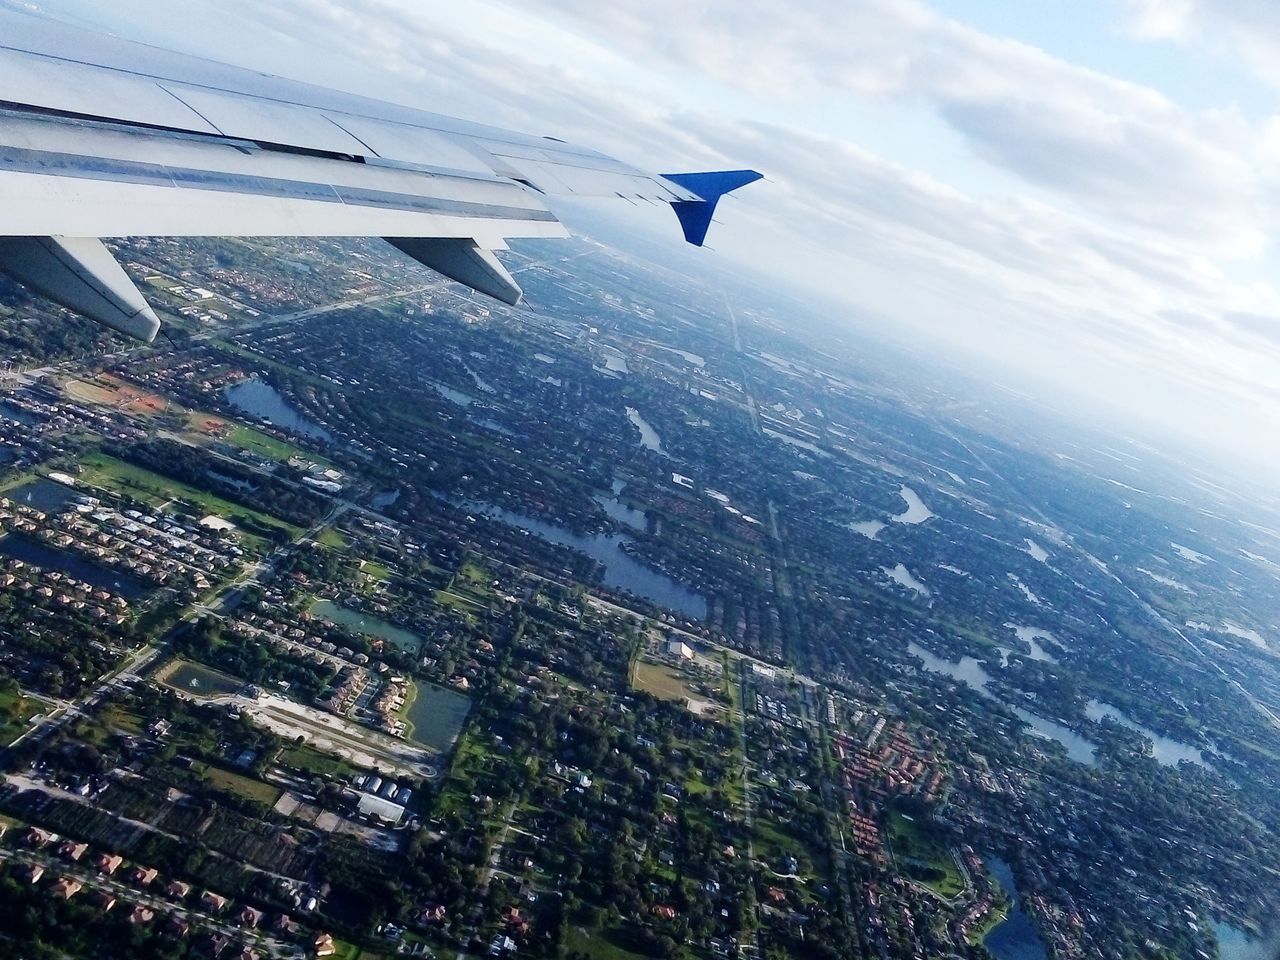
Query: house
323	945
141	915
108	863
104	900
144	876
71	850
248	916
35	837
177	889
177	927
32	873
664	911
66	888
212	902
679	649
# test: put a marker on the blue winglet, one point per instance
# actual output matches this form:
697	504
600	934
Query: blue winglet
695	215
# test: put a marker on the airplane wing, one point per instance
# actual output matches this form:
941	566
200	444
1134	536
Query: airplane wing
103	137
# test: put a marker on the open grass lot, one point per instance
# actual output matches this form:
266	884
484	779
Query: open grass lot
235	783
195	679
661	681
102	470
914	843
315	762
330	537
607	944
15	711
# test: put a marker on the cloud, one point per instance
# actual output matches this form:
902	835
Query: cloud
1102	266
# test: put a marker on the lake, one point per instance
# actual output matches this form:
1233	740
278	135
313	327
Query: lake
617	510
44	495
916	511
867	528
901	575
260	399
1015	937
1237	944
364	623
46	557
649	438
436	716
1164	749
1032	637
971	673
621	570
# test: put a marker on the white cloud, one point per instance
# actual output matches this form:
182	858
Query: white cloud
1107	266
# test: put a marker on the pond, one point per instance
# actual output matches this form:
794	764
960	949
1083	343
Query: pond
615	361
260	399
42	555
44	495
1015	937
867	528
1165	750
450	394
621	570
384	498
436	716
364	623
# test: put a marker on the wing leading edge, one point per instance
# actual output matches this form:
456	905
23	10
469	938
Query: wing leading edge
101	137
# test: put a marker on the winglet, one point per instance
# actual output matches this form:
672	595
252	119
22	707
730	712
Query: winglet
695	215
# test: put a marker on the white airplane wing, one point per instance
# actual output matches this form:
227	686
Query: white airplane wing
103	137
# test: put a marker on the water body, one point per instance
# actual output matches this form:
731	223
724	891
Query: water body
1078	748
614	361
1015	937
450	394
621	570
437	714
363	623
260	399
967	670
44	495
649	438
971	673
481	384
1237	944
1164	749
1032	637
1037	552
796	442
867	528
901	575
615	508
119	582
18	414
916	511
384	498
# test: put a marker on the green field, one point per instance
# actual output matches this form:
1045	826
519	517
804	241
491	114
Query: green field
101	470
605	944
235	783
198	680
315	762
15	711
662	681
913	842
265	445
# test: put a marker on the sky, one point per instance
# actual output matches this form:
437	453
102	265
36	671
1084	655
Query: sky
1078	194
